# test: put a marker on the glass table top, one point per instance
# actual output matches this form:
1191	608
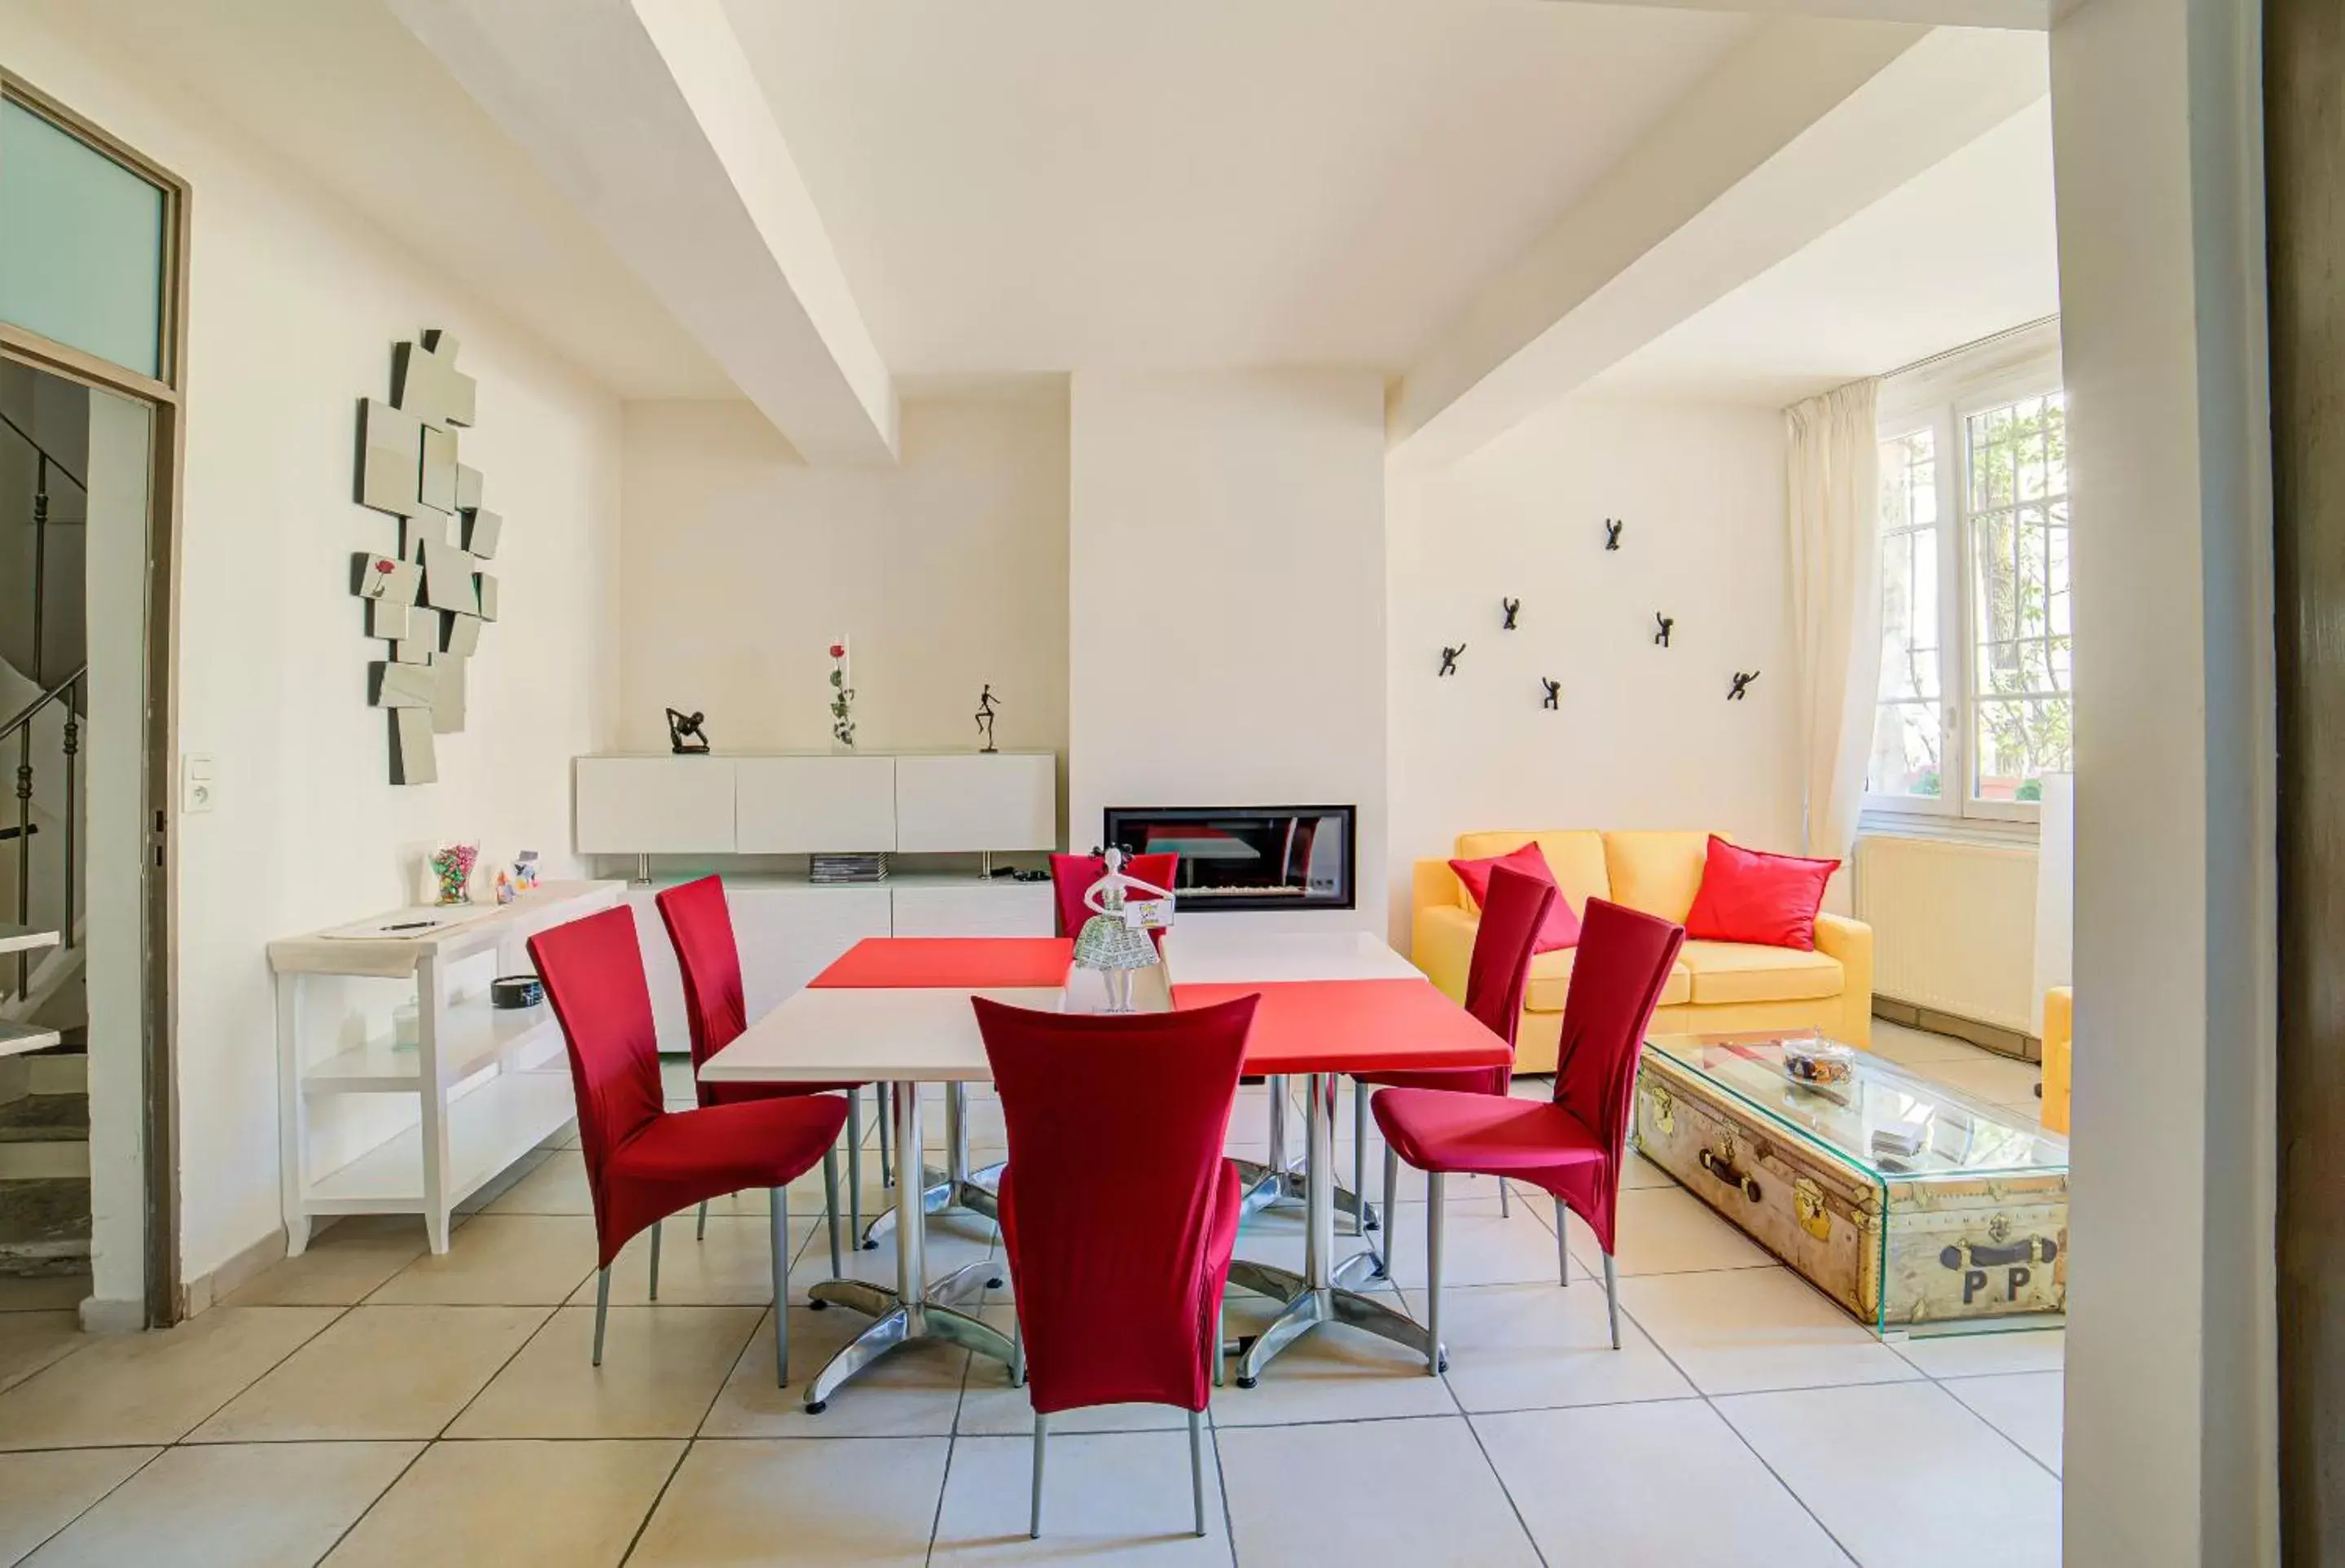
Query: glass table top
1959	1136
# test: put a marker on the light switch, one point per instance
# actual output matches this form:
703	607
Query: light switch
194	782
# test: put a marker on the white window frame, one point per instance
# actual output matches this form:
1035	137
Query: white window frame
1941	397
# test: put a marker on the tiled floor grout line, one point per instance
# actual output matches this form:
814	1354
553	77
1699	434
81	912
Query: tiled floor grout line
644	1524
376	1501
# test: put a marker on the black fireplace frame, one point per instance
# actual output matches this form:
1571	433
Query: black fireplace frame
1117	821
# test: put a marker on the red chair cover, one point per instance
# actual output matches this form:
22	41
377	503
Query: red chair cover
1514	910
1071	876
1119	1263
644	1162
1574	1145
700	925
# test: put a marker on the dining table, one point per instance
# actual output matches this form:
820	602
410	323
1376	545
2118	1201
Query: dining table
896	1010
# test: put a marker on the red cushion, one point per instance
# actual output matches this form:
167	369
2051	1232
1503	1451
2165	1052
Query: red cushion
1562	926
1750	896
1442	1130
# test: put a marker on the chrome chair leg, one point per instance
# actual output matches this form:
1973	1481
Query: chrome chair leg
887	1165
601	1308
854	1160
831	1202
656	1226
1504	1212
1433	1207
700	1228
1017	1351
779	1200
1362	1218
1612	1300
1221	1337
1197	1467
1041	1436
1383	1249
1562	1254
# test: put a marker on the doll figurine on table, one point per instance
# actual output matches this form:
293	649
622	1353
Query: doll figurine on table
1106	942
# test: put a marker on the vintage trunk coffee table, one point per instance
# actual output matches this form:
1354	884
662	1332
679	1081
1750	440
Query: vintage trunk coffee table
1970	1227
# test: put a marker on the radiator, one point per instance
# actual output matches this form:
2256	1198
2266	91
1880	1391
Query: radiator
1953	926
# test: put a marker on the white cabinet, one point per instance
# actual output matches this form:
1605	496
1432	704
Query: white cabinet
790	934
655	805
814	804
974	909
954	803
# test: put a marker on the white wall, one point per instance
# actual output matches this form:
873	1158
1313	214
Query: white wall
1644	737
1226	567
948	571
294	305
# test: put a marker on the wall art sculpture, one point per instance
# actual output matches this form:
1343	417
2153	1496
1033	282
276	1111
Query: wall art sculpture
429	600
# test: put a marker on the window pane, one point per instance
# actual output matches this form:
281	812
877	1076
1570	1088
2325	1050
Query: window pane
2016	478
2018	741
1905	750
81	244
1907	738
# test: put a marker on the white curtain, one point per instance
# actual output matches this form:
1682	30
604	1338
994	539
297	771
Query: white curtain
1833	508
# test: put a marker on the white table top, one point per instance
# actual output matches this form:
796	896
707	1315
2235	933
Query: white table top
1208	952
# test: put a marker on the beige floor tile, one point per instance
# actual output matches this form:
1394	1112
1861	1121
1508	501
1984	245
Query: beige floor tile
1904	1476
1667	1230
1745	1329
31	1341
662	1367
1609	1484
40	1493
1331	1374
731	1267
1988	1077
499	1260
153	1388
1912	1047
513	1504
556	1184
1477	1246
1403	1492
567	1139
503	1182
1107	1498
991	1407
1521	1347
953	1240
238	1506
383	1372
342	1265
1986	1355
42	1293
2024	1407
912	1393
798	1502
1640	1172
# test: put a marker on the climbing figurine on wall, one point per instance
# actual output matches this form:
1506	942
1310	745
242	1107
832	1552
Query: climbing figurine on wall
1741	683
1512	608
1554	693
1449	659
987	705
1613	526
1661	638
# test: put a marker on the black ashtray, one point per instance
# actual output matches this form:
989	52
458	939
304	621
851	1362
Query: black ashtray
514	992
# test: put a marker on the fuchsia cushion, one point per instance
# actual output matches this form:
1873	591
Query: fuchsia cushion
1769	900
1562	926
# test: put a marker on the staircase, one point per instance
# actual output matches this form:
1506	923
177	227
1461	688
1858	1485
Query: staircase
45	1218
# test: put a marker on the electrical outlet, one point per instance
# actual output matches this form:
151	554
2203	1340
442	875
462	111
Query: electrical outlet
196	784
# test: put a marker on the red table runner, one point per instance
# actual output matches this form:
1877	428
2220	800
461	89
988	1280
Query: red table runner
1348	1025
951	963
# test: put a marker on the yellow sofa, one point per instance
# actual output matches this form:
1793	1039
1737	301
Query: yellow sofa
1719	986
2059	1032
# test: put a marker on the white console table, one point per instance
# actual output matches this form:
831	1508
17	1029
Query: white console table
460	1141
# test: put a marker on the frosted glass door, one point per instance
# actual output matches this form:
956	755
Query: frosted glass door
81	244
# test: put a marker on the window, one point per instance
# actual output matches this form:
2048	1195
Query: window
1973	540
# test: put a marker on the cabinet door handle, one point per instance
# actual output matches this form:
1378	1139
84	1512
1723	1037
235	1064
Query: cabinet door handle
1749	1185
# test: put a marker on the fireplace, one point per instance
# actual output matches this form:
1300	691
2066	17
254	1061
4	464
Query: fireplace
1247	857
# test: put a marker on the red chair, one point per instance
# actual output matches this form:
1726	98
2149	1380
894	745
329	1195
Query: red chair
1119	1265
1071	876
1513	910
700	927
644	1162
1573	1145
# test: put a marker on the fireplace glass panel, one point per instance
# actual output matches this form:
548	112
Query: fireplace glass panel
1246	857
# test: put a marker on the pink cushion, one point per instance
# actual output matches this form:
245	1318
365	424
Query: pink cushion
1769	900
1562	926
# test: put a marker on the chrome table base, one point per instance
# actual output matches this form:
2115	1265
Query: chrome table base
914	1311
956	1189
1280	1182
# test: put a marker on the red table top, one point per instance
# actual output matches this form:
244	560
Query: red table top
951	963
1346	1025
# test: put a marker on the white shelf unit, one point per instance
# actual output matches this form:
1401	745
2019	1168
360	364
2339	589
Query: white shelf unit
489	1084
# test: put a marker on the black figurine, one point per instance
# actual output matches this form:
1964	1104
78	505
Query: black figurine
985	705
1449	659
684	736
1554	693
1741	683
1513	608
1662	637
1613	526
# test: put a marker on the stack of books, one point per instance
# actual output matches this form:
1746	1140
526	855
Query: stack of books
834	871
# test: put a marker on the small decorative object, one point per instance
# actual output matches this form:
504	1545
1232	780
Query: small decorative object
1818	1060
842	699
1613	526
1553	699
512	993
1903	1141
1108	941
1449	659
1666	622
406	1026
843	871
1512	608
685	737
519	878
987	703
451	872
1741	683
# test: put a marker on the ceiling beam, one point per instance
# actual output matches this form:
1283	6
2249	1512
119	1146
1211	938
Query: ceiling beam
646	116
1804	125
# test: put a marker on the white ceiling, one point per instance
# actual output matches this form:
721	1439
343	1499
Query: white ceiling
1963	250
1038	184
346	97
